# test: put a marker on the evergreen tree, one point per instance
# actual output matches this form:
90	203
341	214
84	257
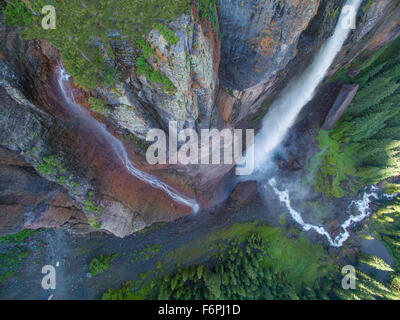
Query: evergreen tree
363	147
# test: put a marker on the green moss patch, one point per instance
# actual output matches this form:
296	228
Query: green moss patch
101	263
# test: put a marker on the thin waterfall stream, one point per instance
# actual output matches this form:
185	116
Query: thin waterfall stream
120	150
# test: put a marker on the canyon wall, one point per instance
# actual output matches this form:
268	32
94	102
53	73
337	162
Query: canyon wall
224	73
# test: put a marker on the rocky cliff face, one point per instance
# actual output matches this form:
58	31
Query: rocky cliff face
260	38
211	74
377	24
71	153
189	64
29	201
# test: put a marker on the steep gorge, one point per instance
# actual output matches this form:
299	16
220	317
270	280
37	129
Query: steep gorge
224	71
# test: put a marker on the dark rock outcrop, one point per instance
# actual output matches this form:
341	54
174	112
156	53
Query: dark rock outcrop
343	100
29	201
244	193
260	38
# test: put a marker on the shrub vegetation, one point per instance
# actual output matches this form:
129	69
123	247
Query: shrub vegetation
99	106
85	28
16	14
101	263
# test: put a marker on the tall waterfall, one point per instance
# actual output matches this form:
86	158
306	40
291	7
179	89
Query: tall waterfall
120	151
286	107
283	112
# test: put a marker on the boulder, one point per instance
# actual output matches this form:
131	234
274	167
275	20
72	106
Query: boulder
244	192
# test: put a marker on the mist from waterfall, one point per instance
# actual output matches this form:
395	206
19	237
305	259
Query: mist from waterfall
286	107
120	150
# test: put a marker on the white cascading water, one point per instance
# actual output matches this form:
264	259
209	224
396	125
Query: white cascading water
361	205
340	239
286	107
121	152
283	113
